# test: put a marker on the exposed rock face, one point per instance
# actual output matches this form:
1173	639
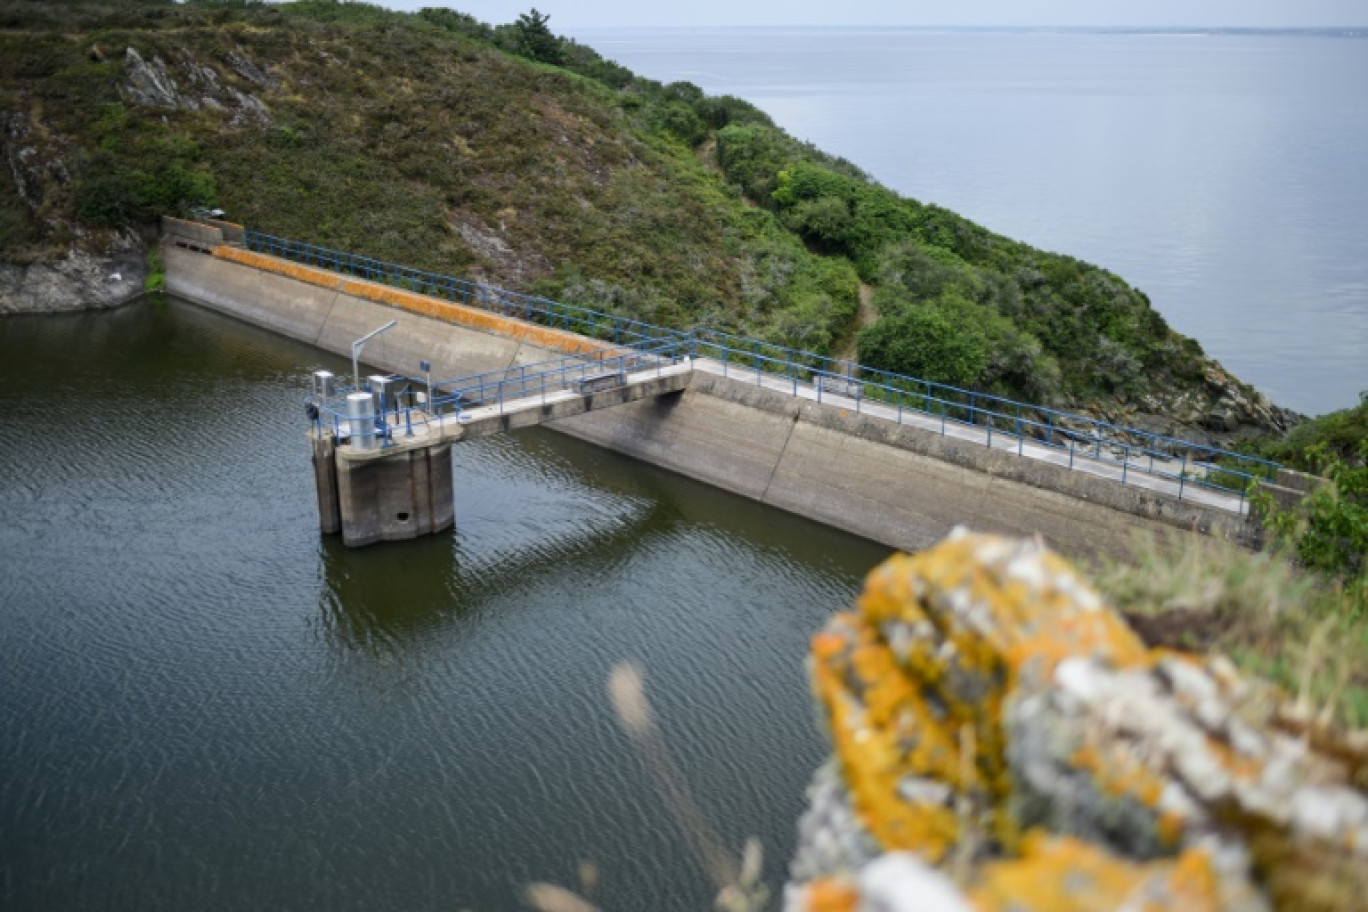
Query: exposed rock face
76	282
1004	741
151	83
1219	413
36	160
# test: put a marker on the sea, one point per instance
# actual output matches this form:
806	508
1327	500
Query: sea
1220	172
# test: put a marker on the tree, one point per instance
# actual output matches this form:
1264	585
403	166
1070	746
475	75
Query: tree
535	40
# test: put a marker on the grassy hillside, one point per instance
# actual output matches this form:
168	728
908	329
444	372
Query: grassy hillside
516	157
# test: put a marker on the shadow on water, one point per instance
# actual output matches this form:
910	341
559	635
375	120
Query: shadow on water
539	508
678	500
383	597
373	598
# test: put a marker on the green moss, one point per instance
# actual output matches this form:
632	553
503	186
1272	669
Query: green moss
156	272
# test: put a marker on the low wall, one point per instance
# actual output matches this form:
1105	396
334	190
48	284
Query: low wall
897	485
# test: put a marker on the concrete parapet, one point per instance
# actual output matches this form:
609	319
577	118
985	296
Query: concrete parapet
895	484
1297	481
541	337
184	233
232	232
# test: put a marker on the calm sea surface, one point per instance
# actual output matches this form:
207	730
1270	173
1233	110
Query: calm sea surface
204	705
1221	174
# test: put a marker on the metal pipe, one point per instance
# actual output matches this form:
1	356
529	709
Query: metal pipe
359	344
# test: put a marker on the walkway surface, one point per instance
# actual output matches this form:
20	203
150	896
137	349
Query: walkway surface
414	427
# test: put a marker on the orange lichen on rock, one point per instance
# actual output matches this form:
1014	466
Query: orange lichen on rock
424	305
1004	740
883	731
832	895
934	647
1060	874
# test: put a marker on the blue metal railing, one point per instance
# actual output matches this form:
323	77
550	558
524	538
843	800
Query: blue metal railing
401	412
1014	423
1130	449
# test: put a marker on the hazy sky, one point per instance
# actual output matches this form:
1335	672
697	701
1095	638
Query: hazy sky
567	16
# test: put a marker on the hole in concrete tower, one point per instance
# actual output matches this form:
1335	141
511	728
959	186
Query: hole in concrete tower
402	517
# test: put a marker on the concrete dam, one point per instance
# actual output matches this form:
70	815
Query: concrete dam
727	413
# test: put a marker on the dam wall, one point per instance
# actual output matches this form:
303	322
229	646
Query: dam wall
897	485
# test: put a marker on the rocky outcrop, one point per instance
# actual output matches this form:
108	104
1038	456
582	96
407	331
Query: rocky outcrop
37	164
1004	741
151	83
1220	412
78	281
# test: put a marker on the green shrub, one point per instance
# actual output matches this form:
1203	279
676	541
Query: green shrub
16	229
825	221
1328	528
535	40
123	197
722	110
939	342
1338	435
111	200
677	119
457	23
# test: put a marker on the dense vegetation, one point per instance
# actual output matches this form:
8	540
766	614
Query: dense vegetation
515	156
1328	530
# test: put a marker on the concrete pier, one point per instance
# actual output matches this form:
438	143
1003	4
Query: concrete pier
375	487
375	495
325	483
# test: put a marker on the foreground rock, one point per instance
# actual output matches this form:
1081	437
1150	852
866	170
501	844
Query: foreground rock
1004	741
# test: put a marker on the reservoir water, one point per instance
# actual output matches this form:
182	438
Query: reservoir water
203	705
1222	174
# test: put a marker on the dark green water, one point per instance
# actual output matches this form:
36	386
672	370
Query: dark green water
204	705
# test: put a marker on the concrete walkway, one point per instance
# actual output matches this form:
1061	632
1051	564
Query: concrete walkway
1133	472
511	414
526	411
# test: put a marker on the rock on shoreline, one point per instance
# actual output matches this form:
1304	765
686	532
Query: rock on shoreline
78	281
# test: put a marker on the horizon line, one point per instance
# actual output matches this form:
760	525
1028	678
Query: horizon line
1002	27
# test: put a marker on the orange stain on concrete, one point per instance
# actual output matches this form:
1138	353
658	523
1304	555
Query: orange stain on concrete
423	305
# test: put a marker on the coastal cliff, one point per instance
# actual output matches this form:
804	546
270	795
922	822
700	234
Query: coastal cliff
1002	740
511	156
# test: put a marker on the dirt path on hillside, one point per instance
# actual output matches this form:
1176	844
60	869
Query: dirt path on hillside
846	351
